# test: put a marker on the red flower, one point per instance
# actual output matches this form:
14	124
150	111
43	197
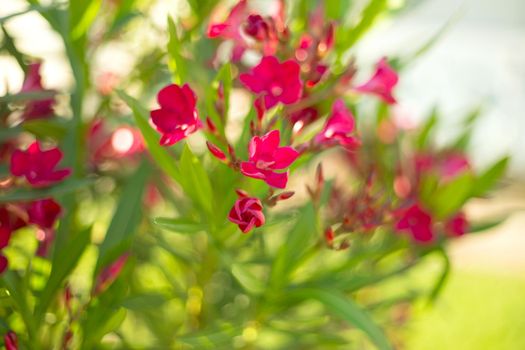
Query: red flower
33	83
11	341
381	83
177	117
241	26
266	156
417	222
44	213
256	27
278	82
457	225
38	166
303	117
247	213
110	274
338	128
454	164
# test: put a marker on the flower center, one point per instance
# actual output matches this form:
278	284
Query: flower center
261	164
276	90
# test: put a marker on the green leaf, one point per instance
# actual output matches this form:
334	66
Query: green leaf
442	278
179	225
177	63
428	127
54	128
28	96
450	196
64	261
125	219
144	302
82	16
368	17
100	324
346	309
9	44
161	156
491	176
480	227
210	339
299	239
25	194
247	280
19	295
195	181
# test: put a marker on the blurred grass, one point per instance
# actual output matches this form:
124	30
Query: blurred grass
476	311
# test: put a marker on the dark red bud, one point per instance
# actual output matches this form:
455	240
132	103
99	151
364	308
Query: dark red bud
217	153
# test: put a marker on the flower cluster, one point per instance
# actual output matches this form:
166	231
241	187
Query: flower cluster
39	169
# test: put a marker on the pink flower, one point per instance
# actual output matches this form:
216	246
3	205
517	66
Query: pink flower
303	117
457	225
417	222
247	213
38	166
266	156
44	213
110	274
381	83
338	128
177	117
454	164
278	82
10	340
33	83
11	219
241	26
256	27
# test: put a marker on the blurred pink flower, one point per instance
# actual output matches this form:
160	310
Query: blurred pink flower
247	213
457	225
382	82
417	222
339	128
44	213
242	25
36	109
38	166
278	82
177	116
265	156
3	266
10	339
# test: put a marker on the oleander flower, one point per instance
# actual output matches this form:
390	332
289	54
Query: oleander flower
35	109
44	213
177	116
247	213
277	82
265	157
382	82
417	222
457	225
38	166
339	128
245	28
10	340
